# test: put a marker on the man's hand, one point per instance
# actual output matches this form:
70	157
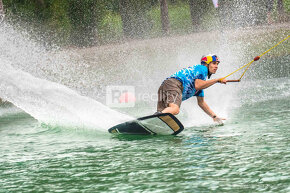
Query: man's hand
222	81
219	120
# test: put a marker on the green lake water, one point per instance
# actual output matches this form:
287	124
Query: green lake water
53	133
250	153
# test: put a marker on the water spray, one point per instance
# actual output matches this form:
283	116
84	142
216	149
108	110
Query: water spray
2	14
249	64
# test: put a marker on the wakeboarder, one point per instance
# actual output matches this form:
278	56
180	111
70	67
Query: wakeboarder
189	82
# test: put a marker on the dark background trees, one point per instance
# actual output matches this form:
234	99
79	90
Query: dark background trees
164	17
197	9
135	18
95	22
84	18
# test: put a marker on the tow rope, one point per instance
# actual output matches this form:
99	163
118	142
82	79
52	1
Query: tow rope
250	63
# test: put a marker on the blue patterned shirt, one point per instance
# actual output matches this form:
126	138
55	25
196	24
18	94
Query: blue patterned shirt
188	76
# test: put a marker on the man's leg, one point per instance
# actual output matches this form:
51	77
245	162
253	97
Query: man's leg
173	109
170	96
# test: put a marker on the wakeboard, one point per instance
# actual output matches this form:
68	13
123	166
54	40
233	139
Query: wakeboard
160	124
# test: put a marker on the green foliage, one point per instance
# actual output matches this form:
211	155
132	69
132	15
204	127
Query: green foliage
179	16
112	5
22	9
110	28
135	18
59	22
287	6
210	19
83	16
156	28
94	22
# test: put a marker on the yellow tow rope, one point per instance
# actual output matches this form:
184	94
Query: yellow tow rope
249	64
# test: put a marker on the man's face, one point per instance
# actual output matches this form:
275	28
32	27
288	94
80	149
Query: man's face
213	66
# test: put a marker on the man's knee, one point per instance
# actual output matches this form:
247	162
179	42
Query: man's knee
175	108
176	112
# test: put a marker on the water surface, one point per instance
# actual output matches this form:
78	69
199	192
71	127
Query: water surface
250	153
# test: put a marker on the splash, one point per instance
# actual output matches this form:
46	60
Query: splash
28	78
54	103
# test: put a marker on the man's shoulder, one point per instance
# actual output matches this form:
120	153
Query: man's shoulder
191	70
200	67
194	67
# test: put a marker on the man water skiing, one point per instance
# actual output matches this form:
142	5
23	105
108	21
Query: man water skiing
189	82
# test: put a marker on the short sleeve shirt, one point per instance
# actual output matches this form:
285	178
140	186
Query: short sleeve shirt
188	76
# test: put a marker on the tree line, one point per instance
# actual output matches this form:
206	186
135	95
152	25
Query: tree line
95	22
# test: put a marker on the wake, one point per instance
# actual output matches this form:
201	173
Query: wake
54	104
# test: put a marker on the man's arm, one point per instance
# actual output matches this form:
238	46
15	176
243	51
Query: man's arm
203	84
203	105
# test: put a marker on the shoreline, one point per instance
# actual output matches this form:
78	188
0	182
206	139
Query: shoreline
255	39
242	31
246	33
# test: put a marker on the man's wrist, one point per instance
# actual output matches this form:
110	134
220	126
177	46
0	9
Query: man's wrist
214	116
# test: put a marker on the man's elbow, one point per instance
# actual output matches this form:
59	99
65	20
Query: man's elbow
200	104
198	88
199	84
